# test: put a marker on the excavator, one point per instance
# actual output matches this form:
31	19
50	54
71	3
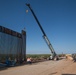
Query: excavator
53	53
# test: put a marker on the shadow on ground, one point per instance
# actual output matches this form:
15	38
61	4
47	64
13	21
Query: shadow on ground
3	68
68	74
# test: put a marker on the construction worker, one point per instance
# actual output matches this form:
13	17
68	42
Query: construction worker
29	60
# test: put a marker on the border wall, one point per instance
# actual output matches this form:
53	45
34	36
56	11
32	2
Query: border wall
12	45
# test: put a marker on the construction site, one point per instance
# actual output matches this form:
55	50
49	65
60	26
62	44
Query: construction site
15	61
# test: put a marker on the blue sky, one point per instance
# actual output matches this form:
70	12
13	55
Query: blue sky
57	17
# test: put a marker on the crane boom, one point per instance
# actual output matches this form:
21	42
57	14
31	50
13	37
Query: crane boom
44	35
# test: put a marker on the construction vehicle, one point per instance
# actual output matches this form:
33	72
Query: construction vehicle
54	55
74	57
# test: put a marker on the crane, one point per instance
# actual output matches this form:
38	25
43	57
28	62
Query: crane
54	55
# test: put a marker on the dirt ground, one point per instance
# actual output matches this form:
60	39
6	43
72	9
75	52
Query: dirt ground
61	67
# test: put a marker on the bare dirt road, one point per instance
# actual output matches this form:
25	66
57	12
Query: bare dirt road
61	67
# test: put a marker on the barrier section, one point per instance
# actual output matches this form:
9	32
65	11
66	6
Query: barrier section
12	45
